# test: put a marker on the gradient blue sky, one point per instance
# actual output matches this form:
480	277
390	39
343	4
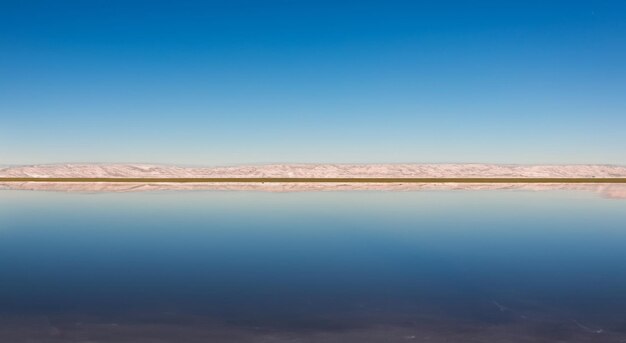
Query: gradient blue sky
229	82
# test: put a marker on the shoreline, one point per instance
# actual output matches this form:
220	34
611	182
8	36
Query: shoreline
479	180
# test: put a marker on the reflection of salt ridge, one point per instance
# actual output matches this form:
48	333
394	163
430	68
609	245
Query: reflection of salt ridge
612	191
317	170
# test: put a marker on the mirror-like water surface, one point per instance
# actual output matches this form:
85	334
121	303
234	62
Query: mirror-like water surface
492	266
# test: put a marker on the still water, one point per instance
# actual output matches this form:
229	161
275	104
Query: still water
442	266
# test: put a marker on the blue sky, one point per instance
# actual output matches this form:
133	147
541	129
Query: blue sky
231	82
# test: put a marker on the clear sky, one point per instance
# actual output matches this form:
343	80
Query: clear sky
230	82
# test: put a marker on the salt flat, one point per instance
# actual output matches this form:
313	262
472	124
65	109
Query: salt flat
395	171
317	171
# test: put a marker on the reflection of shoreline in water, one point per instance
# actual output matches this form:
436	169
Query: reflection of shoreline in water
612	191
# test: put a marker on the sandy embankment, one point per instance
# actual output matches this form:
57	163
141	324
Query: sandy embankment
315	171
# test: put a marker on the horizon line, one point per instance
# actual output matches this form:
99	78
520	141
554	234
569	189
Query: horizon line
317	180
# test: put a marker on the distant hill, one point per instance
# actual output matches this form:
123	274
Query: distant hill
315	171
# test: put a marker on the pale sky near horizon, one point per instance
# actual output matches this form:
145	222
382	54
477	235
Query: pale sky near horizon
237	82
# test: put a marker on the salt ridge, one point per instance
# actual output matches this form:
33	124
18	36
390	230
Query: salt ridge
315	171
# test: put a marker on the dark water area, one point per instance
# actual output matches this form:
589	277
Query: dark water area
491	266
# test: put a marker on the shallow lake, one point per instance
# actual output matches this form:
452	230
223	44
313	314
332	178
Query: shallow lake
430	266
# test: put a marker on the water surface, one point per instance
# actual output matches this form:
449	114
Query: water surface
505	266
